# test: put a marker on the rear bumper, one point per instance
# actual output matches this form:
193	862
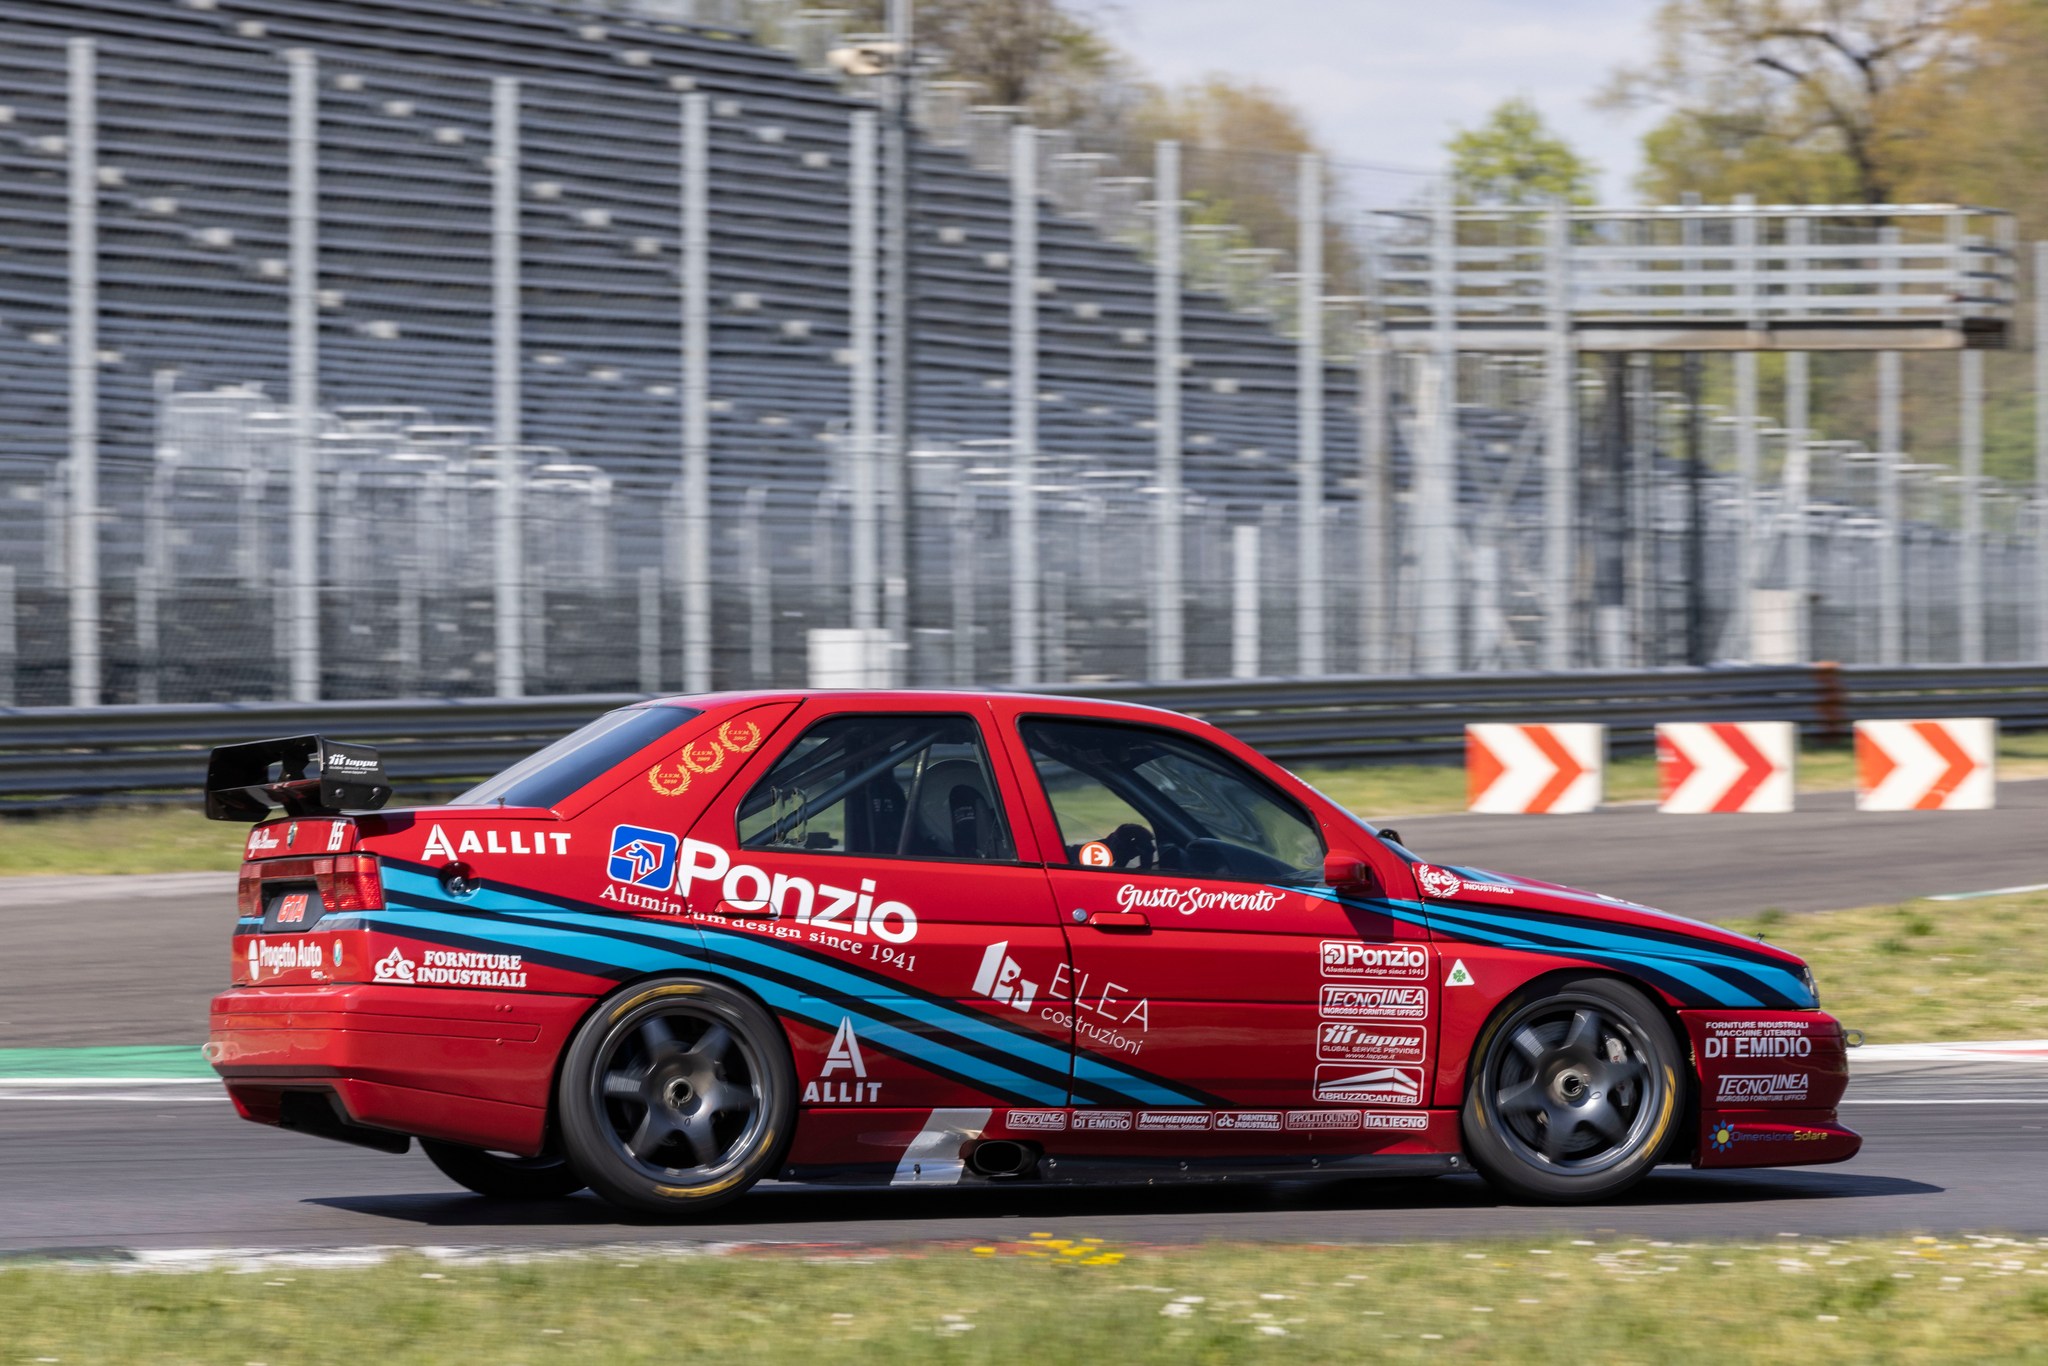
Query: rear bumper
474	1067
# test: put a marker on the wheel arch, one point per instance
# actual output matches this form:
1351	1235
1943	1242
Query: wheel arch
623	988
1687	1120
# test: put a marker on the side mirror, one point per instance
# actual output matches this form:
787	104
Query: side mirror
1342	870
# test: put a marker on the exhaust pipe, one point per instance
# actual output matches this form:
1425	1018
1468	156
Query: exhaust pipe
1001	1157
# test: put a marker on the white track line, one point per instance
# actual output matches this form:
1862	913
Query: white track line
1958	1100
9	1083
1995	891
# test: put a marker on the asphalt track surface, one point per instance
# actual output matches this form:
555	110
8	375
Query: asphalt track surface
1950	1147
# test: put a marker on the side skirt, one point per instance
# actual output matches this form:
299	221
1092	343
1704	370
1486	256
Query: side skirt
1150	1171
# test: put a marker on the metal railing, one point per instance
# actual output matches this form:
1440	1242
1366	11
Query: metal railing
54	757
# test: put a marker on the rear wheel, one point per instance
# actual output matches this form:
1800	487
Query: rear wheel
1574	1092
504	1176
676	1096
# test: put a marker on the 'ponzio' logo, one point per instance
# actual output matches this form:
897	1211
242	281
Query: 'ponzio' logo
1348	958
1188	900
658	861
1346	1002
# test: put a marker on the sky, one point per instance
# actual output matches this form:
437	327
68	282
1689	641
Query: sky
1386	82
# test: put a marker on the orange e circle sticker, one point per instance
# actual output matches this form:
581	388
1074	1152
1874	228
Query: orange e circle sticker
1095	854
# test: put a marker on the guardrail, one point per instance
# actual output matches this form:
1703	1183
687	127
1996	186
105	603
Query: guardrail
62	756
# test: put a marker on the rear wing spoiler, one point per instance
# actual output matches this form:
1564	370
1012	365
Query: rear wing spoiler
304	774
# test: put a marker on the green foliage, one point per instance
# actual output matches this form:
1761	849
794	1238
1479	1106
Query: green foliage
1515	158
1958	1298
1789	100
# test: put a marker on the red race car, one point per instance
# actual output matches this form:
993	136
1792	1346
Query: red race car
946	938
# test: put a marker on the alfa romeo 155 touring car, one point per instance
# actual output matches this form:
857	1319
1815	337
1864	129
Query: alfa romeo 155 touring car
923	938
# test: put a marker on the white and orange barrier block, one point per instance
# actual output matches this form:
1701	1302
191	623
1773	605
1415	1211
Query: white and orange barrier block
1708	767
1942	765
1534	770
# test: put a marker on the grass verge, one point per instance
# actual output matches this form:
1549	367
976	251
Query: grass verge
1540	1299
1926	970
1387	792
157	839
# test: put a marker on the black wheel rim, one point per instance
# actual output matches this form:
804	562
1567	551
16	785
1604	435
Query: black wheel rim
1570	1085
681	1091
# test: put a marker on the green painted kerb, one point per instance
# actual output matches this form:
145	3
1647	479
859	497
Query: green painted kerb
156	1062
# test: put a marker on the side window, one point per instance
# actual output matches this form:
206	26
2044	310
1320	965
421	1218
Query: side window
1143	800
888	786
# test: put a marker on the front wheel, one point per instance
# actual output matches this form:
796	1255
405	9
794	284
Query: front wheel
676	1096
1574	1092
504	1176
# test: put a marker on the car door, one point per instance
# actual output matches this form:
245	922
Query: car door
1207	950
866	879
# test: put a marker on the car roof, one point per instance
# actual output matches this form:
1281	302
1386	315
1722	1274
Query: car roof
935	697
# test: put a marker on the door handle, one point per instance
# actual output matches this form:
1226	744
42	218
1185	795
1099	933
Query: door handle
1119	920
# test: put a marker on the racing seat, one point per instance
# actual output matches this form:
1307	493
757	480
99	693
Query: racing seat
956	813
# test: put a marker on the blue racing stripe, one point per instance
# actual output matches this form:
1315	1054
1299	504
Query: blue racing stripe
1696	970
1694	965
595	937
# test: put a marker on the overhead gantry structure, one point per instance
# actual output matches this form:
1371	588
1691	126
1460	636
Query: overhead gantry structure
1694	279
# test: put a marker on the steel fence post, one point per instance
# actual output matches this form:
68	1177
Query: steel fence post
509	546
1169	587
304	305
1891	633
1310	609
1376	504
1970	575
83	548
865	580
1024	615
696	489
1560	445
1437	619
1797	479
2041	450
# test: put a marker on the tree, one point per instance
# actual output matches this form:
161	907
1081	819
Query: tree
1044	55
1786	99
1970	130
1514	158
1241	145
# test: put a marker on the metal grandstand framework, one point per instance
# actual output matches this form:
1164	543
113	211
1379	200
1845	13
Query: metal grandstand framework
377	346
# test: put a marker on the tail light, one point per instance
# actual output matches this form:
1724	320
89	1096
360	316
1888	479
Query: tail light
350	882
249	893
347	882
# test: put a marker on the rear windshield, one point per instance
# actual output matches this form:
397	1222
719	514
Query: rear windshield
544	779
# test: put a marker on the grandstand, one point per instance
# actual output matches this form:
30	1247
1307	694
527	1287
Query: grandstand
193	109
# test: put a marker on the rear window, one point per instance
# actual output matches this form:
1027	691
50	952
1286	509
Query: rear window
575	760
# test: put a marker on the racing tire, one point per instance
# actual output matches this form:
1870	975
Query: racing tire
1574	1092
676	1095
503	1176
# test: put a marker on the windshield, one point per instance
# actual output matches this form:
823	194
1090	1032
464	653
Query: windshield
570	763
